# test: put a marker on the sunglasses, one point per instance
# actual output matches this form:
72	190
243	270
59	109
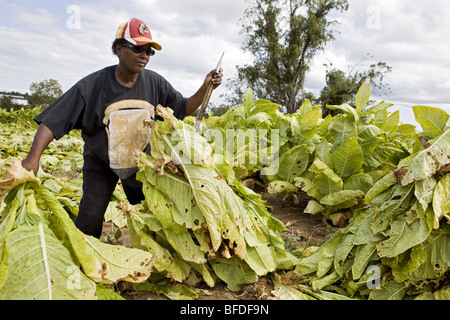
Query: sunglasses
139	49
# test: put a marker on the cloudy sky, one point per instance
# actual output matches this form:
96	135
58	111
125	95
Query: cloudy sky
69	39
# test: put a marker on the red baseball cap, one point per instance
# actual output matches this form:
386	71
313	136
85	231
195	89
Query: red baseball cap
136	32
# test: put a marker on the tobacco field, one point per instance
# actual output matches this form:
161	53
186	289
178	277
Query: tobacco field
384	186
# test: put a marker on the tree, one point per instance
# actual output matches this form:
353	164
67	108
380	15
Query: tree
341	87
284	36
6	102
44	93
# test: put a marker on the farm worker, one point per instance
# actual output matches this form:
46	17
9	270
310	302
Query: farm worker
83	107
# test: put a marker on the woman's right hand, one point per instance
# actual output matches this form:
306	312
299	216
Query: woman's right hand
41	140
31	164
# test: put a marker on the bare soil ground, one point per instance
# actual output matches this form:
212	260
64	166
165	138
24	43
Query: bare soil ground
302	230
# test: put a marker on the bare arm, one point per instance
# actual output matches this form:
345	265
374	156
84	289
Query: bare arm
196	100
41	140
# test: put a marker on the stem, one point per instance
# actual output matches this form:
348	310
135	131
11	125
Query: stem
166	140
45	259
151	165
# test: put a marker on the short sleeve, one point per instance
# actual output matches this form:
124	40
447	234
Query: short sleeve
64	114
169	97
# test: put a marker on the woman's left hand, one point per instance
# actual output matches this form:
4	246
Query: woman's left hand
215	77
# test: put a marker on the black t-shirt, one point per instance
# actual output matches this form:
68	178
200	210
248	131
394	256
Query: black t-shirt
83	106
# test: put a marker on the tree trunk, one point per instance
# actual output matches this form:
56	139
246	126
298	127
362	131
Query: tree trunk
291	105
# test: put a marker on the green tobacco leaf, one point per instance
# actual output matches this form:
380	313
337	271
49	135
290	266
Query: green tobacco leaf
380	107
203	186
322	295
256	220
220	204
424	164
381	185
264	106
234	272
305	108
323	152
326	280
378	114
105	263
432	120
424	191
348	158
341	129
361	227
173	291
398	203
362	97
326	180
402	236
342	253
261	259
103	293
346	109
162	209
403	270
369	131
442	294
287	292
313	207
15	175
232	236
296	129
343	198
392	122
292	164
257	120
185	246
248	101
165	263
308	123
441	200
101	262
115	215
438	258
209	191
309	264
308	186
383	154
281	187
391	291
363	255
8	216
359	181
177	196
189	147
327	254
41	268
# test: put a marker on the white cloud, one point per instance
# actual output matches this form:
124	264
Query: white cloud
37	20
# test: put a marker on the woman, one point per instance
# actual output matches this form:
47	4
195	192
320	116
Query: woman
83	107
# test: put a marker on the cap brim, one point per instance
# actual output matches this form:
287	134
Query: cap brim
140	41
